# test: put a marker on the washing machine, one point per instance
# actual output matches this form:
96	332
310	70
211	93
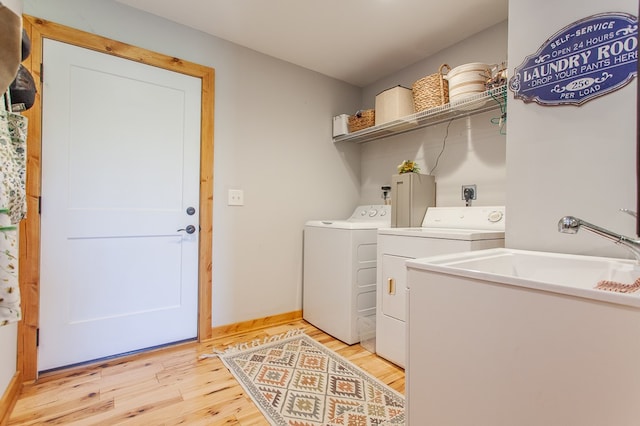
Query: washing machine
339	272
444	230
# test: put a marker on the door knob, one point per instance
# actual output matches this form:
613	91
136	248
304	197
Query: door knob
189	229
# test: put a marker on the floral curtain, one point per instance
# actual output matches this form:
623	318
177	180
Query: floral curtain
13	136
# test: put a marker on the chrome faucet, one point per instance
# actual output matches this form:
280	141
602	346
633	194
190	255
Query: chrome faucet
571	225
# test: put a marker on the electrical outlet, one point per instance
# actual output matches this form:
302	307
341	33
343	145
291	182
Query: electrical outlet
236	197
469	191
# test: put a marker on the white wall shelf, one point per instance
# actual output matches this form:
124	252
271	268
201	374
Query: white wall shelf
482	102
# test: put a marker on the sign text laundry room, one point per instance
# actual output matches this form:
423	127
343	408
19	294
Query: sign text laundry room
586	59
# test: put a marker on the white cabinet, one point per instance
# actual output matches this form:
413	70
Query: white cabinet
489	353
411	195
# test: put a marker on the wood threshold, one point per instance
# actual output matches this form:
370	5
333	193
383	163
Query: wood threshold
29	258
10	398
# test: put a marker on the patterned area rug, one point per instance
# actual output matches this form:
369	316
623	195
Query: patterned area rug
296	381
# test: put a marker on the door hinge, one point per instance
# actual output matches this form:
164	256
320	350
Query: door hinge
40	205
41	72
37	337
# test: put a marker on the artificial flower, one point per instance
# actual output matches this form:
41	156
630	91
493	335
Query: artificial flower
408	167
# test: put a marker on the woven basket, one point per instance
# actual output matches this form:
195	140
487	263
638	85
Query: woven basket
362	120
431	91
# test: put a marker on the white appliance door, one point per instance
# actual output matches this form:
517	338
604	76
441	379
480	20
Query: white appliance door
120	169
394	276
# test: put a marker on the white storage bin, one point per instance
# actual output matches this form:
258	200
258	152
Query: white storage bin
340	125
393	104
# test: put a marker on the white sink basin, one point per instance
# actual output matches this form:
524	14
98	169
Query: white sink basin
560	273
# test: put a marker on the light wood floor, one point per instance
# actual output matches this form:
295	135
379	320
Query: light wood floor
171	386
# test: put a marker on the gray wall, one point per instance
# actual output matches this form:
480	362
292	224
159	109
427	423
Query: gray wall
568	160
474	148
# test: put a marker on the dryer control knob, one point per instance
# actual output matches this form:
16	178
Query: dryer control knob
495	216
373	213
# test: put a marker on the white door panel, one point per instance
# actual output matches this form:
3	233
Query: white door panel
394	293
120	166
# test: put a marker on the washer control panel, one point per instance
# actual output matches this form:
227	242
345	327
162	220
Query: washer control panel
371	213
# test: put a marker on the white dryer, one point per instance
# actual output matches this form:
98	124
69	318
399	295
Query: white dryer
339	277
444	230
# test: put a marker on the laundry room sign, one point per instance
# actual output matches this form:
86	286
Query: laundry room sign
584	60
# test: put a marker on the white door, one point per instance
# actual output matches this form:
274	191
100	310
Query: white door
120	174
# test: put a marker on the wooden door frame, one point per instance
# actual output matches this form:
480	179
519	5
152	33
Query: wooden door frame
29	263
